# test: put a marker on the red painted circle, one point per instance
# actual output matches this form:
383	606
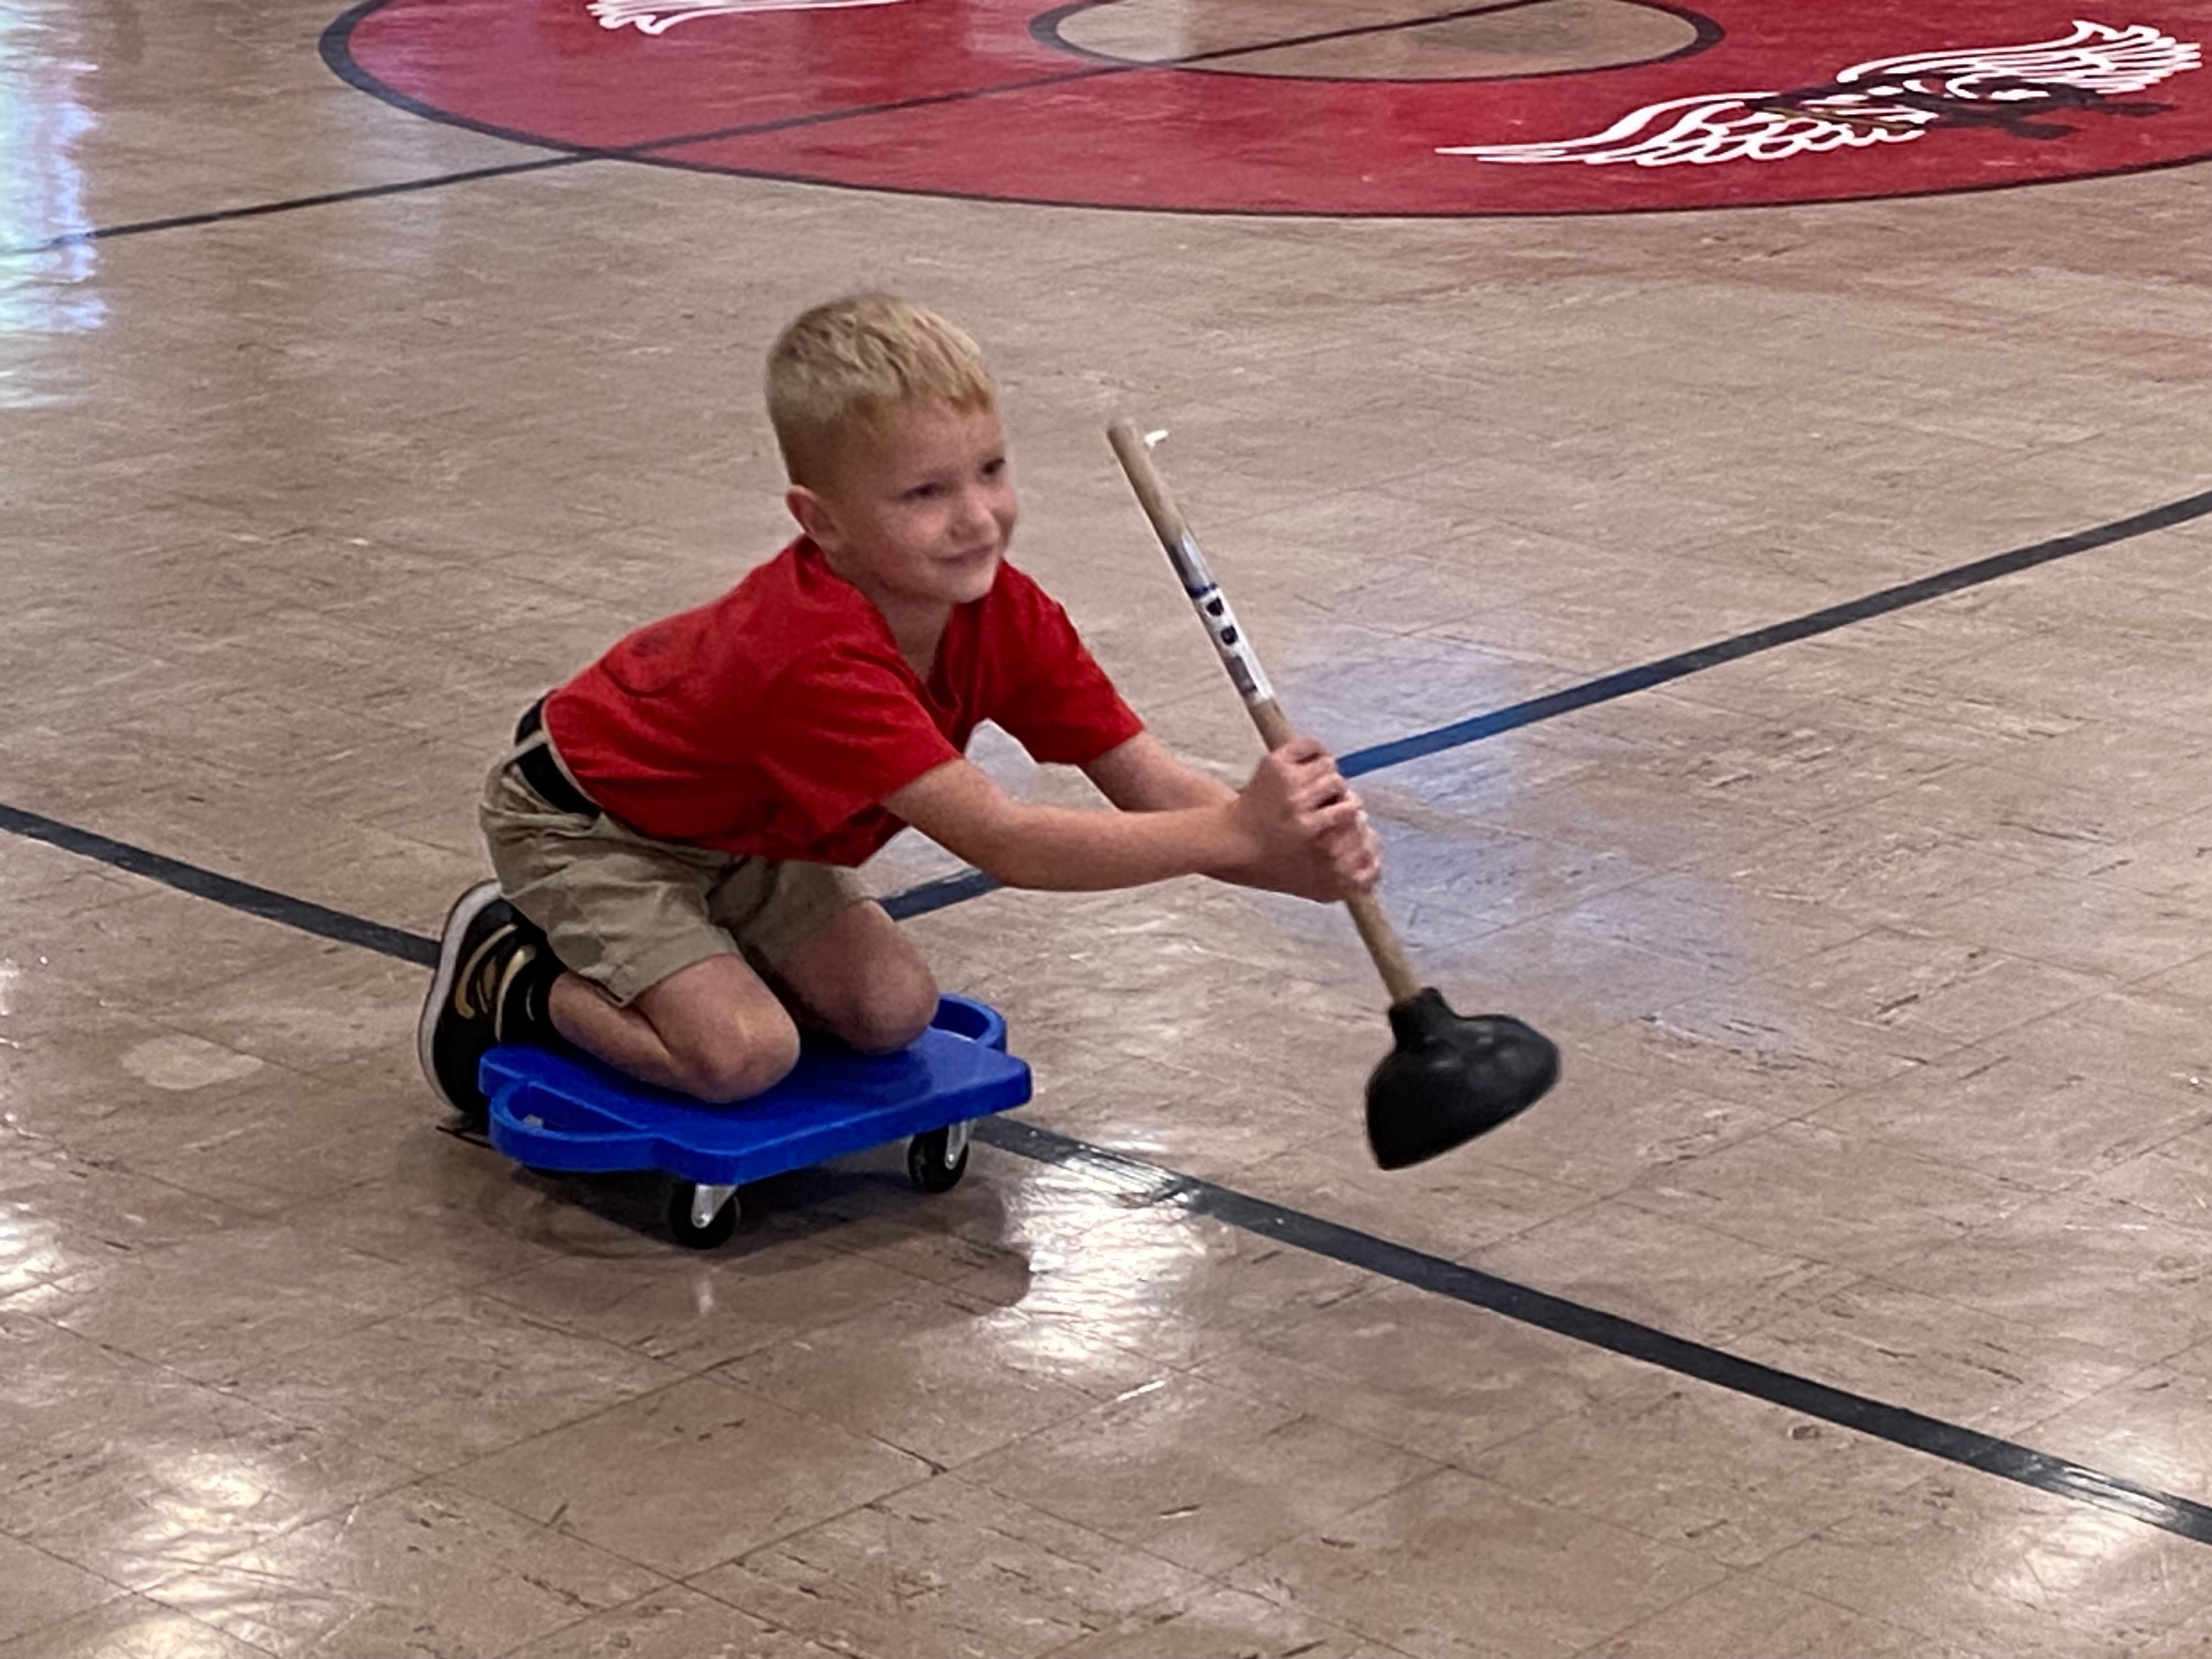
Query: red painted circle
968	97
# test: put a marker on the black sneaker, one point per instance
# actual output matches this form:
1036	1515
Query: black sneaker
487	961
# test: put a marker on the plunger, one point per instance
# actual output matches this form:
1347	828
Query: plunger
1451	1077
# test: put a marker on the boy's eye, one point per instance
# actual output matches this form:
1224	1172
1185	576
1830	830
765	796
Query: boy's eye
994	467
924	492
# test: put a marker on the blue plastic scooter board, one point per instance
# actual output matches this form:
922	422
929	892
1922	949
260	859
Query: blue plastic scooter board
567	1113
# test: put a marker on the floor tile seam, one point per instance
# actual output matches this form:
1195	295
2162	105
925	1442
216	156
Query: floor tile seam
231	1389
1859	1614
2123	840
1872	1266
2121	977
2029	1196
1494	922
2110	985
238	1219
261	1352
1106	1540
191	1567
2157	1148
1221	1574
1569	907
1536	1500
1607	1646
1873	1490
1924	1621
687	1373
123	1592
587	1615
1608	1194
1935	1028
215	1632
1934	1053
1881	1281
930	1470
431	1485
1587	1203
186	1577
936	1468
479	1287
171	1377
946	1294
1221	1586
2148	1368
1762	960
1793	823
1365	1643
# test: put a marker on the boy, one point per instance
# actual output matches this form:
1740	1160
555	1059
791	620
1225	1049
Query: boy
674	827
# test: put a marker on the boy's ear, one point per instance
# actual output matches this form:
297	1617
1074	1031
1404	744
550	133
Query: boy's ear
816	521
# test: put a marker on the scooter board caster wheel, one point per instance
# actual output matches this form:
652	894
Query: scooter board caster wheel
936	1159
702	1217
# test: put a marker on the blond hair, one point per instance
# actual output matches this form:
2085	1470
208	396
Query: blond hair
834	374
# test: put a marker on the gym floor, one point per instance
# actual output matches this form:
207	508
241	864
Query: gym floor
1763	595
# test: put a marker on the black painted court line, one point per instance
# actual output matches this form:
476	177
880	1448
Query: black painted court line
1045	28
938	894
1608	687
263	210
337	48
338	58
1914	1430
1152	1184
227	890
321	920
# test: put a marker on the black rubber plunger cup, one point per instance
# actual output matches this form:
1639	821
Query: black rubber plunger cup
1451	1077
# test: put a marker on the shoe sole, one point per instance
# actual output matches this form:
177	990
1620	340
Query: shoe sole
471	905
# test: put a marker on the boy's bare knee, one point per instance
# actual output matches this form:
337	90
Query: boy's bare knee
752	1060
893	1015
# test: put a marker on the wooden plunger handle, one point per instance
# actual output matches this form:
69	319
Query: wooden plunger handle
1243	663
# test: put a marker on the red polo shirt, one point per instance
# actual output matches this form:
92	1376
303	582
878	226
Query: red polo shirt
773	722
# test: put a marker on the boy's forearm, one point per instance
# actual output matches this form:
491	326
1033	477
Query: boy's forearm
1143	776
1189	787
1059	849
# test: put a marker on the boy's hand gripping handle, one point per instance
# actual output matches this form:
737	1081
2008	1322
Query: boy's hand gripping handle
1243	663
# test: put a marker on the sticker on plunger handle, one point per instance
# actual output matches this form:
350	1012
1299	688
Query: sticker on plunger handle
1190	565
1236	653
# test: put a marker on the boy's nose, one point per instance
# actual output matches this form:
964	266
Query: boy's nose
974	509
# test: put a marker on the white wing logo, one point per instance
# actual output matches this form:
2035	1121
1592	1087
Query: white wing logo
1891	100
659	16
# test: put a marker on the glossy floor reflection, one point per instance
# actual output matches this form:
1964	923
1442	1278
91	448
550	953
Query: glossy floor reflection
1883	958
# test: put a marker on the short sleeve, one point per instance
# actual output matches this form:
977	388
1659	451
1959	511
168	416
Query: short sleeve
842	731
1058	703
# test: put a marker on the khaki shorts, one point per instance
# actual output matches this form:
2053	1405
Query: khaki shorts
626	911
